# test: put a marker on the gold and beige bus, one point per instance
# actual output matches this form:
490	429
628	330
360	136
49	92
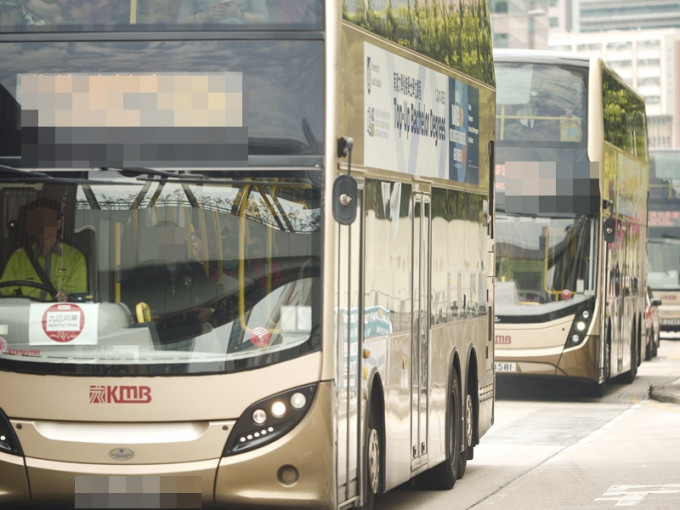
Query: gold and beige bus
663	246
246	251
572	179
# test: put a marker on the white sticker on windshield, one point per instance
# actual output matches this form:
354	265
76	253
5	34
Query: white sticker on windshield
63	324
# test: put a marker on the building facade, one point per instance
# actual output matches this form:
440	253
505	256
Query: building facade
519	23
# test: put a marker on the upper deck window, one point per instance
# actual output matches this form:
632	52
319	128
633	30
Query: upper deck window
540	103
124	15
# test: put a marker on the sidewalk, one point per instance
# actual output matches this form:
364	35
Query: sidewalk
666	393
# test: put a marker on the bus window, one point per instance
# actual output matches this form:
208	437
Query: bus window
543	104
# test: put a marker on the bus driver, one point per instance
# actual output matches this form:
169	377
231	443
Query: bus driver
55	268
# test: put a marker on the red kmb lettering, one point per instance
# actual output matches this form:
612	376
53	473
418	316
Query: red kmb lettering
120	394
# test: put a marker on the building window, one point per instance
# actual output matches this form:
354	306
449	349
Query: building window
500	40
499	6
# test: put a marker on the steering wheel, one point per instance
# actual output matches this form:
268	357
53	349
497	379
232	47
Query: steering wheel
26	283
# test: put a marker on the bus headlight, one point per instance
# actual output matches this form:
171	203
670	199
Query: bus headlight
580	324
269	419
8	440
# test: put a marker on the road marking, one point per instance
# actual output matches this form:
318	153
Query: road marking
660	405
632	495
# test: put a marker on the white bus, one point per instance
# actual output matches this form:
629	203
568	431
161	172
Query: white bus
262	245
572	167
663	246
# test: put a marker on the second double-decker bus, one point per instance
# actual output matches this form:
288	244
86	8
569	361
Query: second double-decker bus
246	250
663	245
572	169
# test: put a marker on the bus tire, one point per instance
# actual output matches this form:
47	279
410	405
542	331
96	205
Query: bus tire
373	460
468	433
443	476
597	389
649	345
629	377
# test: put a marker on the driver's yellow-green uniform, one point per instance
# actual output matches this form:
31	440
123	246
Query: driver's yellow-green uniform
65	266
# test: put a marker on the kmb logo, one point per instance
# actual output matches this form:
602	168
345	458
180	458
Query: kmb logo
120	394
503	339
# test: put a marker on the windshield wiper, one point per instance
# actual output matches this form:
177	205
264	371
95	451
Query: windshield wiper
10	171
137	171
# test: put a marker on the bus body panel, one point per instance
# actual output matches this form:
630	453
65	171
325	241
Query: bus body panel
297	470
228	480
201	400
575	363
96	442
54	483
413	414
14	488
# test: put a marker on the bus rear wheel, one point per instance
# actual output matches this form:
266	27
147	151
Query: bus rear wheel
597	389
444	475
468	435
372	462
630	376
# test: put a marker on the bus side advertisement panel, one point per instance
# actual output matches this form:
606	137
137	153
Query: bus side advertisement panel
419	121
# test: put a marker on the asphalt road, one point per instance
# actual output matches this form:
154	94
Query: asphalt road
553	448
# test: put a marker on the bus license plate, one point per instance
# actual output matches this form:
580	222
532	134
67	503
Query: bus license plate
504	366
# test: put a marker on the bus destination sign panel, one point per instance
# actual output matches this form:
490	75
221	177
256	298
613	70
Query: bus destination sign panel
85	120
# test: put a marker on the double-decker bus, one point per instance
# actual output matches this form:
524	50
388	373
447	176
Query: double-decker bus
246	251
572	180
663	245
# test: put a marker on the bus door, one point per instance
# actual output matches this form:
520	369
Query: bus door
420	336
349	318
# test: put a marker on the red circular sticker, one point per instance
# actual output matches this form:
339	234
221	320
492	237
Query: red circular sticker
63	322
566	294
260	336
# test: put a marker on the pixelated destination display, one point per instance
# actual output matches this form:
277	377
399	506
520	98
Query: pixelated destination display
548	187
128	120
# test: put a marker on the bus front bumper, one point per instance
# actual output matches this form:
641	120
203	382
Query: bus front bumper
295	470
578	362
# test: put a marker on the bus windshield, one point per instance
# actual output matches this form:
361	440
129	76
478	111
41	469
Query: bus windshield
146	273
663	247
543	263
540	104
664	263
126	15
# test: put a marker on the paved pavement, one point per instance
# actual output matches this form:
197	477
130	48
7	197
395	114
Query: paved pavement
667	392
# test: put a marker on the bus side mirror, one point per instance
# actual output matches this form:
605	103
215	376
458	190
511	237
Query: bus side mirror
609	230
345	199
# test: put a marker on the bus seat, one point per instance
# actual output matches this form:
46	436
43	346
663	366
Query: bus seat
84	241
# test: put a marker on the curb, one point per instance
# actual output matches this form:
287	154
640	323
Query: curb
670	393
